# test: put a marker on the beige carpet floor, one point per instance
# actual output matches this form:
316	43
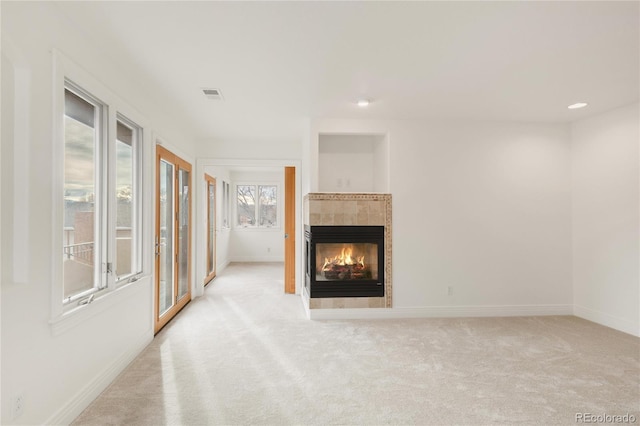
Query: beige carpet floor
245	354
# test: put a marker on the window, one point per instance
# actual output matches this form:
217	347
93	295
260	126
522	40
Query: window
127	187
267	208
225	205
83	141
257	206
102	214
246	205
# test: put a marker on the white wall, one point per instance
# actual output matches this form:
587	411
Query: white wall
305	173
353	163
7	159
346	163
483	208
250	150
59	373
606	212
381	162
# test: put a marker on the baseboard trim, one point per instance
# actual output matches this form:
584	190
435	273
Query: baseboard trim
441	312
607	320
82	399
245	259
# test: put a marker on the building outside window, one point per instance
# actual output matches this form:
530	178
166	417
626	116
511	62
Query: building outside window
102	200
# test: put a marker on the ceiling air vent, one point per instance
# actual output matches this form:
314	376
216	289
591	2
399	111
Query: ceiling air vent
214	94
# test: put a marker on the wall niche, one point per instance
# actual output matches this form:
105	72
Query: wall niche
353	163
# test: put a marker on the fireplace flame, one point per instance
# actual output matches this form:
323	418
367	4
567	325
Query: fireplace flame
345	258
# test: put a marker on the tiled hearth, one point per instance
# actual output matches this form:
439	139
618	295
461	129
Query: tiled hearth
353	209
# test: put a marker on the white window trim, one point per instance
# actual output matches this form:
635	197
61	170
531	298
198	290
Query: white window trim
138	188
101	178
226	206
64	316
279	206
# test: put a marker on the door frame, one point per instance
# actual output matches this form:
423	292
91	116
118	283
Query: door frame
210	180
289	229
178	304
201	168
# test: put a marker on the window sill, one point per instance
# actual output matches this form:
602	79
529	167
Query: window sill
258	228
82	313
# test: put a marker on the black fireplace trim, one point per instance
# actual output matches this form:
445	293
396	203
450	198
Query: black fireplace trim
343	234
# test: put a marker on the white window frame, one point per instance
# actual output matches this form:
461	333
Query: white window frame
257	206
74	310
101	228
137	216
226	189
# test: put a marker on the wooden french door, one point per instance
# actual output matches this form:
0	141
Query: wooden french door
289	229
211	228
173	236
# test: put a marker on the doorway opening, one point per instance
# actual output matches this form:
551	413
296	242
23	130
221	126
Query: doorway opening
257	207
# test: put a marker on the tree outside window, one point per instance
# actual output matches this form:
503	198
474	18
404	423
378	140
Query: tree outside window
257	205
267	207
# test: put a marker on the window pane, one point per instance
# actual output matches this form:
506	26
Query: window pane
125	212
268	213
80	149
227	205
246	205
224	204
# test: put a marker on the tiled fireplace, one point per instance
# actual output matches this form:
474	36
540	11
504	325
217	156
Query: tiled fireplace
347	250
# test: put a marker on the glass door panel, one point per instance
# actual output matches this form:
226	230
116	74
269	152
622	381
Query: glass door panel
211	229
173	230
183	233
166	268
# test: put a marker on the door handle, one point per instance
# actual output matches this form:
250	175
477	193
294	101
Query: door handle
286	236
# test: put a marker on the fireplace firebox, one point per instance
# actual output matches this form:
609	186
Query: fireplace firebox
344	261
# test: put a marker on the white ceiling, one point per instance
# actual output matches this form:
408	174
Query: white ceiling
277	63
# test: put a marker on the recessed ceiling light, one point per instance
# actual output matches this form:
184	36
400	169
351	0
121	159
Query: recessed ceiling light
362	103
577	105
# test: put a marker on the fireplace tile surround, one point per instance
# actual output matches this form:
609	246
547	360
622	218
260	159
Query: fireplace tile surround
352	209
